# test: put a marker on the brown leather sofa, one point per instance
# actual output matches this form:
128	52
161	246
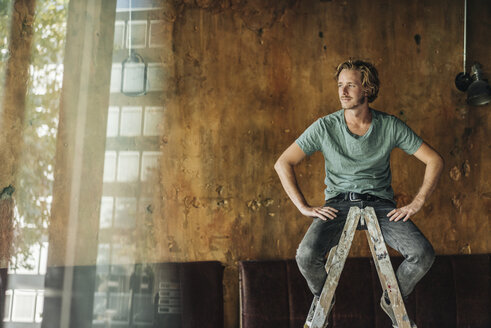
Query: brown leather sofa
454	293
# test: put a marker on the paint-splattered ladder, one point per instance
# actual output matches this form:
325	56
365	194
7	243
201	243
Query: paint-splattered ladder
337	258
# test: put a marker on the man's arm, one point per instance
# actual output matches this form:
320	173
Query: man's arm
434	167
284	166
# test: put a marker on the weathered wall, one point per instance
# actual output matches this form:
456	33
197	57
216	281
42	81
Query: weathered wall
247	77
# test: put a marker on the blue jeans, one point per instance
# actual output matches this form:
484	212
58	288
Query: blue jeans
404	237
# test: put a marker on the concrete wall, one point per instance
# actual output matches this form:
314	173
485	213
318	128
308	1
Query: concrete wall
247	77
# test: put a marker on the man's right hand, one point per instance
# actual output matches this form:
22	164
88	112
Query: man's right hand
322	212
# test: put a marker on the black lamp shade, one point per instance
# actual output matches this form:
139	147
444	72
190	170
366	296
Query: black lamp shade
479	93
478	89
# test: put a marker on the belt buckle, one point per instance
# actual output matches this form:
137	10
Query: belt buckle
352	198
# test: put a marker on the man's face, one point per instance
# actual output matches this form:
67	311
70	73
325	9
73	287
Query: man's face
351	92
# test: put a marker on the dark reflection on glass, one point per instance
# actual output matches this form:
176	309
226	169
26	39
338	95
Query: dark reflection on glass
138	295
138	299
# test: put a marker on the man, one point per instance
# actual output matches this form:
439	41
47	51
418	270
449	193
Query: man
356	142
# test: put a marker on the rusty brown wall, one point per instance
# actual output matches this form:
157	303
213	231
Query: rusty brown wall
247	77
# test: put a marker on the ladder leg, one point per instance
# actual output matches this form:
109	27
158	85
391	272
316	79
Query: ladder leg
316	298
330	258
334	267
384	267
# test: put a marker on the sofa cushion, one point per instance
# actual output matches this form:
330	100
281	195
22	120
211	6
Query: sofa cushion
201	294
471	278
264	294
435	296
299	296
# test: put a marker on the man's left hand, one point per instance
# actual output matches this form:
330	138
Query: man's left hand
405	212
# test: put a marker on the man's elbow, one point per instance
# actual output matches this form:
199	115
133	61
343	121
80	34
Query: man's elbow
439	162
282	165
277	165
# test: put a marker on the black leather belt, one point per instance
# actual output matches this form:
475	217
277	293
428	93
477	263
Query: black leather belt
355	197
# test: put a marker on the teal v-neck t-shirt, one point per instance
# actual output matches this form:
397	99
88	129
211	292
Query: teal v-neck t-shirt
358	163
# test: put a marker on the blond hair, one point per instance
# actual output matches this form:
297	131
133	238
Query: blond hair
369	76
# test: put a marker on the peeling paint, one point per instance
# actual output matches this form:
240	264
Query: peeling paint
466	249
466	168
191	201
455	173
457	202
172	245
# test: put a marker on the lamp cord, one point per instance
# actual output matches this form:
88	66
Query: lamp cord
129	31
465	32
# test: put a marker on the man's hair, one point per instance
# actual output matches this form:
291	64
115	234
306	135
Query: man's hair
369	76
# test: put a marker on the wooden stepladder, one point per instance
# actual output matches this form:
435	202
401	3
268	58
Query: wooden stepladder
337	258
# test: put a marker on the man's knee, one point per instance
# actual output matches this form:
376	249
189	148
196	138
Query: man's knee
307	258
423	255
429	258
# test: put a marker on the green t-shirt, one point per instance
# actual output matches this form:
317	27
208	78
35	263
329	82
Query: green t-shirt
358	163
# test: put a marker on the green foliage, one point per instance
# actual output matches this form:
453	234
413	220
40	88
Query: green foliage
35	177
4	7
4	33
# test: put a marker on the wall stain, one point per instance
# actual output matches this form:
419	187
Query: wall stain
466	249
466	168
256	204
457	201
258	15
455	173
172	245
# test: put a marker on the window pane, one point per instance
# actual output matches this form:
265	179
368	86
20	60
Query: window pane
128	165
137	31
125	212
119	302
153	120
109	166
23	305
116	78
150	164
43	262
112	121
103	258
39	306
157	33
131	118
106	217
155	77
29	265
119	34
8	305
121	254
100	303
